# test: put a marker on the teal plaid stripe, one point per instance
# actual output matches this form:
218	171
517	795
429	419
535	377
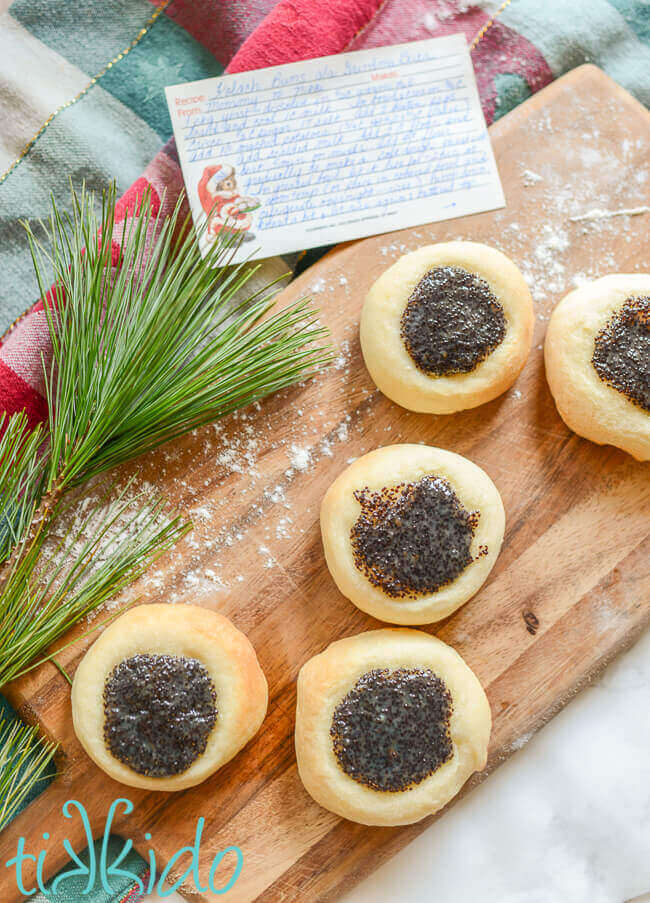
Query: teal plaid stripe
71	890
85	32
167	55
96	140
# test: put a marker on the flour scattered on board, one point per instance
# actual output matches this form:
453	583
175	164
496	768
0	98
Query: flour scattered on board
343	359
276	495
114	515
269	560
299	457
521	741
531	178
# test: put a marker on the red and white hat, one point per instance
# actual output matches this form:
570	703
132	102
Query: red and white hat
224	171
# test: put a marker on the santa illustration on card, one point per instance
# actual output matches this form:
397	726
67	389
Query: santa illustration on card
225	208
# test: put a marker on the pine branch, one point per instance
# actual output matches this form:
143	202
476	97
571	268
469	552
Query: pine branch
24	760
143	352
22	471
160	345
66	571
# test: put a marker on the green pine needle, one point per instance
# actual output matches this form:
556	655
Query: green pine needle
66	571
145	353
142	354
22	472
24	760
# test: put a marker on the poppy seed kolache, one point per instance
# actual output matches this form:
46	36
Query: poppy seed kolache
167	695
597	356
411	532
447	327
389	726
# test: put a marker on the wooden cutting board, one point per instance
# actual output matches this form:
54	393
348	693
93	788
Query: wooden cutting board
569	590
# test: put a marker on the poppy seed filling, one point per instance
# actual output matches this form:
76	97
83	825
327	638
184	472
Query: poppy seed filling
413	538
392	730
159	711
452	321
622	352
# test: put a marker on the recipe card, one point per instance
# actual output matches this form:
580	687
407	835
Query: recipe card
336	148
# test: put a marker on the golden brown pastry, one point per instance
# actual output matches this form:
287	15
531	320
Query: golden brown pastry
597	355
389	726
167	695
447	327
411	532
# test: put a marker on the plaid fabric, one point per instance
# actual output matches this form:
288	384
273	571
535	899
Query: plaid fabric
72	890
117	127
120	130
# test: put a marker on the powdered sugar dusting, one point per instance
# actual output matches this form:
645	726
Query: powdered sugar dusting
521	741
530	178
299	457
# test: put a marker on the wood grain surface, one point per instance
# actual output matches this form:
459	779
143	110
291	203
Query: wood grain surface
568	592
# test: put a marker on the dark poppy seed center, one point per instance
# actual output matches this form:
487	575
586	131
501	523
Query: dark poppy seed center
391	731
452	322
622	352
159	711
413	538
